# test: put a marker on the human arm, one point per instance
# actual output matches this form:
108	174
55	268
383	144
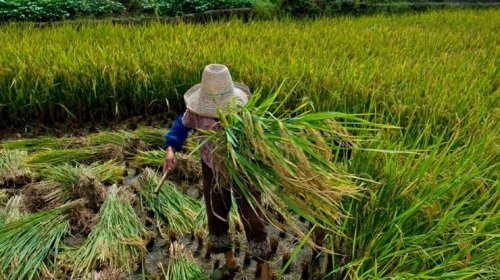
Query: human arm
174	141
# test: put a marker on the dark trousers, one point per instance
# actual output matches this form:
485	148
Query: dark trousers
218	205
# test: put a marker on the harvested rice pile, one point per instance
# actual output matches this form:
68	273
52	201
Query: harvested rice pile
12	172
117	241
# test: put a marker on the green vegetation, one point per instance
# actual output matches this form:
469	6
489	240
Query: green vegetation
52	10
49	10
180	7
142	137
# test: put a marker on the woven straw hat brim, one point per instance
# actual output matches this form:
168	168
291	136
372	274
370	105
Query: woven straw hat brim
206	105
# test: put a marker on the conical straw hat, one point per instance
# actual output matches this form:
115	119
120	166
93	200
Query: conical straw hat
217	91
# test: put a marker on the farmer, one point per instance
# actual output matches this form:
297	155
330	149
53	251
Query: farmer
216	92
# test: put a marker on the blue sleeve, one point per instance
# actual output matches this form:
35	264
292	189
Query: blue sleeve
177	135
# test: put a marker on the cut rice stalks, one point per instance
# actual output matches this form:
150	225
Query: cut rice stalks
13	210
88	155
42	159
289	159
153	137
4	197
41	143
148	135
181	265
12	172
172	207
116	242
107	173
66	182
31	244
188	167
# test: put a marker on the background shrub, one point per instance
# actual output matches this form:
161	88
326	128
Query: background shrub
50	10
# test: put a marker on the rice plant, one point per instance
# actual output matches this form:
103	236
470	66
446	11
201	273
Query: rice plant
181	265
31	244
341	64
171	207
13	210
116	242
440	211
109	137
12	171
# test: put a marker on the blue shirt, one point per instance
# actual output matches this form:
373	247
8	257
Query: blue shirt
177	135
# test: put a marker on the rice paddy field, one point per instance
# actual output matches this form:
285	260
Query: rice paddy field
80	204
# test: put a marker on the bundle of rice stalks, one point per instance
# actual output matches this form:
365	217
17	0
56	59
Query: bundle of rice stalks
13	210
67	182
43	195
30	244
40	160
107	173
127	141
3	197
47	195
116	241
40	143
188	166
289	159
153	137
12	172
181	265
87	155
178	210
109	137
